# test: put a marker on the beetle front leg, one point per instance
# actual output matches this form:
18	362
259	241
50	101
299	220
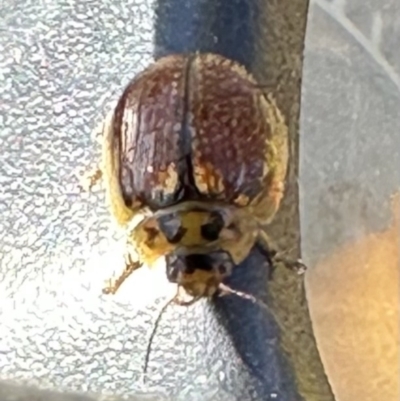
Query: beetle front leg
115	282
265	244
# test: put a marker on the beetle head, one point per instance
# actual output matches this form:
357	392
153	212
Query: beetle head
199	275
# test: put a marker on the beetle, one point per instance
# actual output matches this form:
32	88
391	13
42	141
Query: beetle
194	161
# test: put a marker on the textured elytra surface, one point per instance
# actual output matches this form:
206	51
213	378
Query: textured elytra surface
229	115
148	126
195	128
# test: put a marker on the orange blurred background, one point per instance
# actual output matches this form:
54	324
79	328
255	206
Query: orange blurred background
354	302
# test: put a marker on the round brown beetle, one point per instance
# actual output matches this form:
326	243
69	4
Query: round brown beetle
199	153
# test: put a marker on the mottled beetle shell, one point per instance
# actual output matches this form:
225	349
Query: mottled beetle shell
196	128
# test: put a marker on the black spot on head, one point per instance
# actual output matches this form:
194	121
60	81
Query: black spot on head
211	230
198	262
171	227
217	261
186	264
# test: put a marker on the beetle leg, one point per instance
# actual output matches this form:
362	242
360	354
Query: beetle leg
97	134
295	265
90	179
266	246
116	282
264	243
94	174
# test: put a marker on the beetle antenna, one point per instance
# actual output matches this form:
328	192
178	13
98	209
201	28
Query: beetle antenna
275	256
153	333
225	290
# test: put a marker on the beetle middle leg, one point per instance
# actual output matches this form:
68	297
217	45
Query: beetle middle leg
266	246
94	173
90	179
